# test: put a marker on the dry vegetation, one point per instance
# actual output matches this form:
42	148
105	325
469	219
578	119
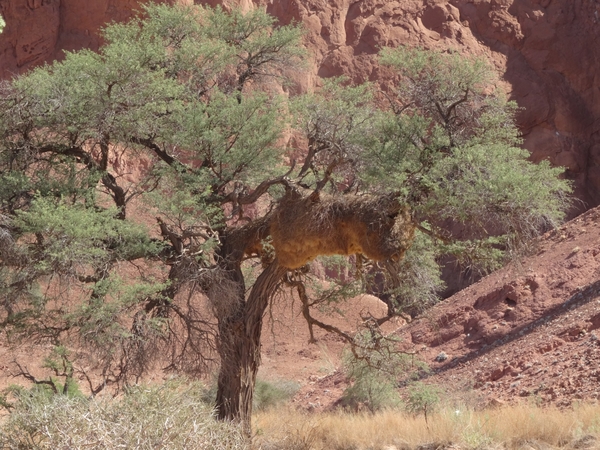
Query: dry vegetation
176	416
170	416
517	427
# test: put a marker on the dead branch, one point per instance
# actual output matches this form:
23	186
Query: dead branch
24	372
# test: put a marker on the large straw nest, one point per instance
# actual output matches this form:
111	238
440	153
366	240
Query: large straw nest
303	228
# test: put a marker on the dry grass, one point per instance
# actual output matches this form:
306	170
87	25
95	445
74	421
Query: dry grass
517	427
170	416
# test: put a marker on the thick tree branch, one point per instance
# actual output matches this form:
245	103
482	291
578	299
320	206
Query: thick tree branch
151	145
263	187
327	175
108	180
310	320
453	106
27	375
313	149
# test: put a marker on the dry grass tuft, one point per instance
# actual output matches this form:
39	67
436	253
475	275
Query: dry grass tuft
171	416
518	427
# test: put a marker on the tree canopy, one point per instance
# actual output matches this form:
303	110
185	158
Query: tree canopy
178	262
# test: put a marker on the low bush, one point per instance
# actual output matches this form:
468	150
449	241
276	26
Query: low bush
268	394
170	416
372	391
374	367
422	399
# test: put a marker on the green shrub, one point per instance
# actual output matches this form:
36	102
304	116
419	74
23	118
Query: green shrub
371	390
422	399
374	367
272	393
170	416
266	393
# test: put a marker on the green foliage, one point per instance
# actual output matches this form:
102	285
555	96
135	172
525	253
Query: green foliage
61	383
422	399
261	48
438	79
415	280
74	245
76	241
340	284
268	394
372	391
47	389
450	146
167	91
239	137
374	365
170	416
336	122
77	238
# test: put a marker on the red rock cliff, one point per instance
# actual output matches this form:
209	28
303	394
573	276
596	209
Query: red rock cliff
547	51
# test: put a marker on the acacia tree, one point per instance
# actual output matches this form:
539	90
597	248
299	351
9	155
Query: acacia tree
185	92
171	91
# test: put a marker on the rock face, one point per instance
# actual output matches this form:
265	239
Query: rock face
38	31
551	62
546	50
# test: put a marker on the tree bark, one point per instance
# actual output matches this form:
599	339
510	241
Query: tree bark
239	345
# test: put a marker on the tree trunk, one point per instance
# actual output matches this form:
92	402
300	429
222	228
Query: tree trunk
239	345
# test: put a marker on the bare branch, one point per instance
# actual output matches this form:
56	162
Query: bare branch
151	145
23	372
261	189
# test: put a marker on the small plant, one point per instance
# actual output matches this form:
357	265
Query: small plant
372	391
62	382
268	394
374	365
422	399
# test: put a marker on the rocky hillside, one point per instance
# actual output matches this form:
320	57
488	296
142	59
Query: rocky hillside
528	332
546	50
530	329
